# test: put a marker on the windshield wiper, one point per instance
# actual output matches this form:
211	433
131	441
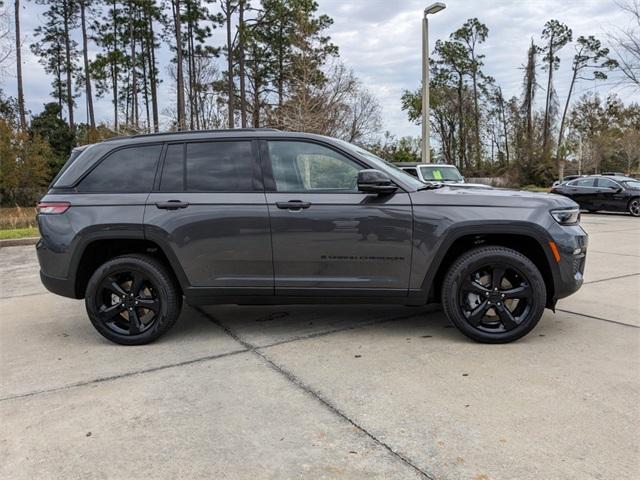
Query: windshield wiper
431	186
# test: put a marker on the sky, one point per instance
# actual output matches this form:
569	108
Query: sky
381	41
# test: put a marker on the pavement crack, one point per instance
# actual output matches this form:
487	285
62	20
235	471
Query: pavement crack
313	393
612	278
599	318
614	253
122	375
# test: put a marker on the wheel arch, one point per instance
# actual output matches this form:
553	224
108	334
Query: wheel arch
98	250
530	240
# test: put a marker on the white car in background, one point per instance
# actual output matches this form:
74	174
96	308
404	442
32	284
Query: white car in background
433	172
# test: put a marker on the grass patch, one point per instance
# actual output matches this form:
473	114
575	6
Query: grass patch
19	233
533	188
17	218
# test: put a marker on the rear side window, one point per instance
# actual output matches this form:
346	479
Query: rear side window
173	169
219	167
128	170
583	182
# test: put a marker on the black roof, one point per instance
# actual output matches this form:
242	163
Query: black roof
417	164
184	133
619	178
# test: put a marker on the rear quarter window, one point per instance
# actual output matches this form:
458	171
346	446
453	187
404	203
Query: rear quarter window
127	170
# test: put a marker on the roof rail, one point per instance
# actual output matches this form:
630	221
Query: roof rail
186	132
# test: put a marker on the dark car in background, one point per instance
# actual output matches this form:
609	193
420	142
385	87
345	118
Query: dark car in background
600	192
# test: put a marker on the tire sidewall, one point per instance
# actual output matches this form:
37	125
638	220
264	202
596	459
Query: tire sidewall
635	199
164	292
474	260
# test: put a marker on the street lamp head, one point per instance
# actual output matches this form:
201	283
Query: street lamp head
434	8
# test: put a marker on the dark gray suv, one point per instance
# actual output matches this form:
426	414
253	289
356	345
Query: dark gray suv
135	225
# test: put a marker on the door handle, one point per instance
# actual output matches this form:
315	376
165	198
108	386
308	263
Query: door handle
172	205
293	205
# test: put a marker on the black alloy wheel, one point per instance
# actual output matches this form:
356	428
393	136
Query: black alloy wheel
127	302
495	298
132	300
494	294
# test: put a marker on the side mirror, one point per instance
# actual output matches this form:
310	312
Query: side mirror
375	181
616	189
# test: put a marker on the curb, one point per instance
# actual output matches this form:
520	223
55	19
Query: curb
16	242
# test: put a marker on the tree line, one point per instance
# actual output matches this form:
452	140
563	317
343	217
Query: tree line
274	56
258	63
484	133
276	67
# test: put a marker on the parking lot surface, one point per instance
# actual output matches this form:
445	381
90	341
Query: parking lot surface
326	391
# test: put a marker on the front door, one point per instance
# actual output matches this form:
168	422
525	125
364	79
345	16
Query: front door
329	238
610	195
210	213
583	192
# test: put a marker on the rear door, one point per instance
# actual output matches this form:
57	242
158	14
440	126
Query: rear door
209	211
583	192
329	238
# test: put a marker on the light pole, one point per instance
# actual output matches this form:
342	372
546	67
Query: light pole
431	9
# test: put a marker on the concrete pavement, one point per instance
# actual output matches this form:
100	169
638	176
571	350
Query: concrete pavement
326	391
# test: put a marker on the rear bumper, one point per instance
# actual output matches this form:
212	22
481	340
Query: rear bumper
59	286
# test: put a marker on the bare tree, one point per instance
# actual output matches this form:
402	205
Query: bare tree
6	42
210	106
339	107
626	44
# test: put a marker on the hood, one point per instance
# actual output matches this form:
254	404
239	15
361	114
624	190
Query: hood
495	197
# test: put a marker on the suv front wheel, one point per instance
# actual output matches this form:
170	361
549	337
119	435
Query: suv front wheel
494	294
132	300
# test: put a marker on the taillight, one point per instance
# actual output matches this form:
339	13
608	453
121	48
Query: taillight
52	208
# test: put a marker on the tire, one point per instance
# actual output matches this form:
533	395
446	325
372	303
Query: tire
634	207
136	287
511	311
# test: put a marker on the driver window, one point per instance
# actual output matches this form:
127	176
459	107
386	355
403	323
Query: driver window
606	183
308	167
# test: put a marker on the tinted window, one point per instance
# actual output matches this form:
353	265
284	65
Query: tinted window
129	170
632	184
441	173
219	167
173	169
411	171
606	183
302	166
583	182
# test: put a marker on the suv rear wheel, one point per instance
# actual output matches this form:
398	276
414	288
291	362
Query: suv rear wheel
494	294
132	300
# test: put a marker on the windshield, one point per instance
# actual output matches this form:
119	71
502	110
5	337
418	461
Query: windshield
634	184
383	165
440	173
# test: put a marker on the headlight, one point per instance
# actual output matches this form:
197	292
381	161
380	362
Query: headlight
566	216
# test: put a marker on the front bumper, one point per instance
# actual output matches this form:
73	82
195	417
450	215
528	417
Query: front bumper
572	243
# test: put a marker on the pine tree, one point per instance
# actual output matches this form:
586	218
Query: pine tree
84	5
21	109
58	52
109	67
556	35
